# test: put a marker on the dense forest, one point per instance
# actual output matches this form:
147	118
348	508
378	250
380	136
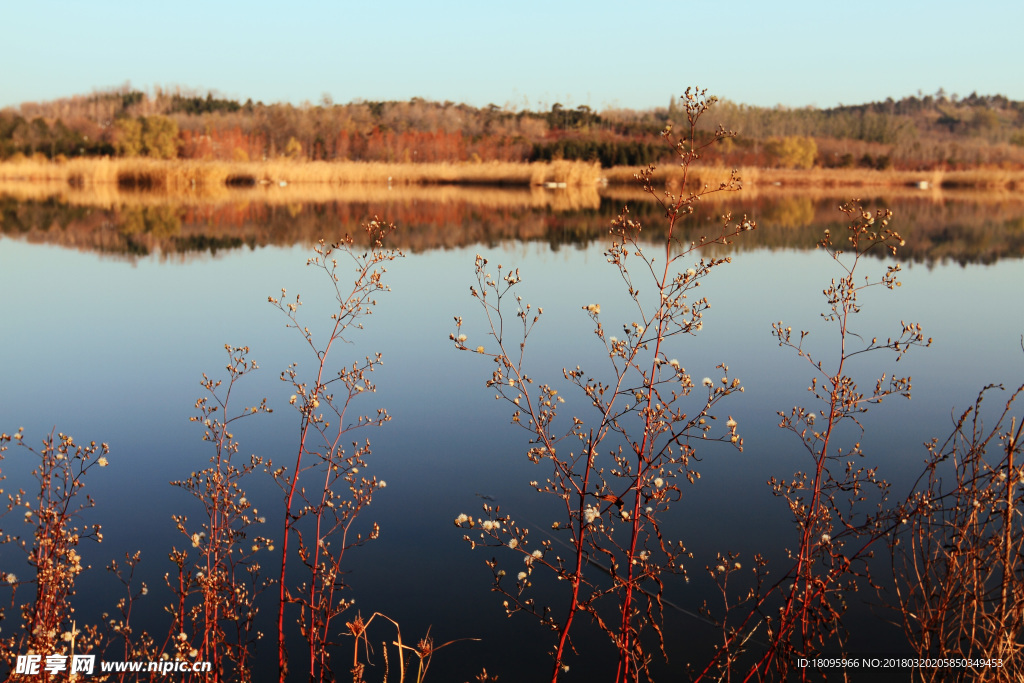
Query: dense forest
938	131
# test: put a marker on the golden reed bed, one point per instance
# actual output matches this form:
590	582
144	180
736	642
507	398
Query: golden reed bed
210	178
823	178
112	196
186	174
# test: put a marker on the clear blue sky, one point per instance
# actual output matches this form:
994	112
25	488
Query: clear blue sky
523	53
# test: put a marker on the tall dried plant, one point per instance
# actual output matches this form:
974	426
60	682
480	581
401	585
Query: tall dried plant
214	613
618	473
957	550
838	505
52	509
318	521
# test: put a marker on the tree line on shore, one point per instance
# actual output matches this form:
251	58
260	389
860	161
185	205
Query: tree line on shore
920	132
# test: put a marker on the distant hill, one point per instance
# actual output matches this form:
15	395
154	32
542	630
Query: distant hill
936	131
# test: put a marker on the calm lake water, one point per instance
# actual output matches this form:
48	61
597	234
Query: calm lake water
115	309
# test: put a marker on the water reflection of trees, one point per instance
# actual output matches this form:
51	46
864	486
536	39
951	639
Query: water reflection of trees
968	229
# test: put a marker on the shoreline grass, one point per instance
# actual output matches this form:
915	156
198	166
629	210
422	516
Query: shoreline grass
825	178
180	175
112	196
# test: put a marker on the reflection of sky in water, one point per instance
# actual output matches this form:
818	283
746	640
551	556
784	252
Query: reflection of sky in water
110	351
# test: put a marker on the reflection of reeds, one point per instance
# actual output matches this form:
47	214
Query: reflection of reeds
184	175
964	226
135	223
